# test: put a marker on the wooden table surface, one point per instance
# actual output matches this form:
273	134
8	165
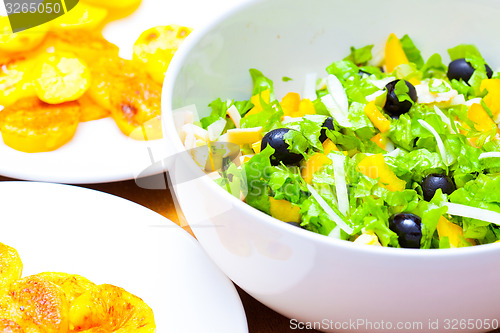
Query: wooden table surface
260	318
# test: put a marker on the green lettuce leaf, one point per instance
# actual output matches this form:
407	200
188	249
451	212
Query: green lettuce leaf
430	213
297	143
401	132
360	122
269	118
434	67
482	192
219	109
402	92
310	127
343	69
441	88
372	214
257	174
360	56
314	218
412	53
261	83
416	164
287	183
464	51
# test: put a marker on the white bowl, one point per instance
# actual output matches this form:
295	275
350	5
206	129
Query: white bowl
306	276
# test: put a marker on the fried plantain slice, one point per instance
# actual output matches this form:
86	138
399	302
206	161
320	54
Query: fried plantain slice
111	309
156	47
83	16
22	41
89	46
72	285
16	79
108	74
33	126
61	77
9	326
37	305
132	97
11	266
91	110
136	105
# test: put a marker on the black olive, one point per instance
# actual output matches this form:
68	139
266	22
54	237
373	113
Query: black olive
328	124
408	227
295	224
461	69
393	106
432	182
275	139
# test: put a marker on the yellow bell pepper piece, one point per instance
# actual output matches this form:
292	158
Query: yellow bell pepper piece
283	210
376	117
414	81
492	99
313	165
306	107
257	107
374	166
380	141
256	146
394	54
293	106
290	104
481	119
368	238
454	232
329	146
242	136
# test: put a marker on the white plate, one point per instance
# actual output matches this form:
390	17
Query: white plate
100	152
111	240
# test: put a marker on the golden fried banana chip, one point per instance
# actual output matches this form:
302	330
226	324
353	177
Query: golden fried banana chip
90	110
89	46
33	126
22	41
11	266
16	80
156	47
72	285
108	74
9	326
83	16
37	305
61	77
132	97
111	309
135	106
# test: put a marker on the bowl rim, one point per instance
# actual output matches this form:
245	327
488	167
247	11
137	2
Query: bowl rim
170	132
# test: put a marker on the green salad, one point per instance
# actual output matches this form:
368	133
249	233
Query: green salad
399	152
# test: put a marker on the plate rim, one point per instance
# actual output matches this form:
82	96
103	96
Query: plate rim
186	238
